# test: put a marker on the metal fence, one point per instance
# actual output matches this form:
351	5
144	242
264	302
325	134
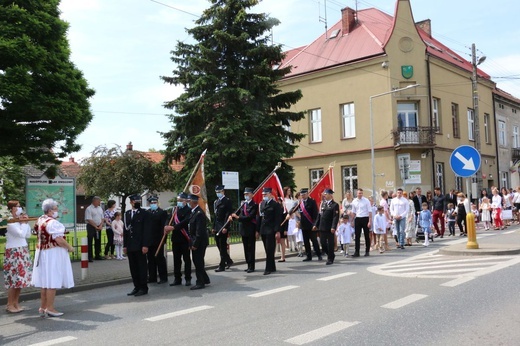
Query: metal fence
72	238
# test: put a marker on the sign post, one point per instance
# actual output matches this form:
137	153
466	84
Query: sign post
230	182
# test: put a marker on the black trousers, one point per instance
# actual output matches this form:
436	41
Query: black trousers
198	261
361	223
461	222
156	264
221	242
138	269
269	241
327	242
93	236
249	243
110	247
308	237
181	252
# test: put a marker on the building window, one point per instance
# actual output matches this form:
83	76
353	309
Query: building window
516	138
502	133
439	175
407	115
350	179
315	117
455	120
504	179
486	128
315	175
471	124
348	120
513	110
459	186
501	106
436	115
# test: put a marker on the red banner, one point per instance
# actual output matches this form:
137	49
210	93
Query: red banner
325	182
274	183
197	185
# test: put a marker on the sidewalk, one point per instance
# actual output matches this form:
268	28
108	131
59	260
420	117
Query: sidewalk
114	272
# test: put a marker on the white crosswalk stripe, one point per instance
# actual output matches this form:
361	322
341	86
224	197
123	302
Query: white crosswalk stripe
433	265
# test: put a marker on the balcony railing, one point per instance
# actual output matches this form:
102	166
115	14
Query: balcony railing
421	136
515	154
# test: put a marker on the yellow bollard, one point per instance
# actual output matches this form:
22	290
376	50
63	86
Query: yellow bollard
472	231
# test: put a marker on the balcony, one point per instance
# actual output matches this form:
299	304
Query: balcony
420	137
515	154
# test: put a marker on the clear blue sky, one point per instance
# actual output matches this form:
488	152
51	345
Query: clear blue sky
123	46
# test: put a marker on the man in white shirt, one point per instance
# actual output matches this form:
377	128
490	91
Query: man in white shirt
362	214
95	221
399	208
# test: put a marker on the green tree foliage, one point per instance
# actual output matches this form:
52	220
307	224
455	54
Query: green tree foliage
43	97
112	172
231	104
13	181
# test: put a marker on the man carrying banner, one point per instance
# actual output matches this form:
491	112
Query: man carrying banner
270	220
199	238
181	241
326	223
309	212
247	227
223	209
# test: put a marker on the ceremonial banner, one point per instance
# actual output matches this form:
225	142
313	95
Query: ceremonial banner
197	185
325	182
271	181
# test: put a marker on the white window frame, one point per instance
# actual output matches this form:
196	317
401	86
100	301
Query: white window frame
502	140
315	125
348	120
504	179
435	114
407	114
315	175
486	128
349	176
439	175
516	137
471	124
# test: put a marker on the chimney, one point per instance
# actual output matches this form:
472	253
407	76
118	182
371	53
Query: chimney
426	26
71	159
129	146
348	20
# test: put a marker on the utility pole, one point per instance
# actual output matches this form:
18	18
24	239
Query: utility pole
474	84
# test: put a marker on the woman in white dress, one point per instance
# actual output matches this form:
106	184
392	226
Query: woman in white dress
410	220
52	267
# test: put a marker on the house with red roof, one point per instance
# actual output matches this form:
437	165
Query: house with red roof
387	103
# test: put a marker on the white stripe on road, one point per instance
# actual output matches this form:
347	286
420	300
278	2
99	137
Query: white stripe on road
404	301
424	264
509	232
276	290
55	341
178	313
320	333
327	278
458	281
450	265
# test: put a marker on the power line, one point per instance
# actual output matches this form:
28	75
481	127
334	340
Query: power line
176	8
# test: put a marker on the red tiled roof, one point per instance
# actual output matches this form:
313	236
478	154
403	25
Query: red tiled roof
157	157
368	39
506	95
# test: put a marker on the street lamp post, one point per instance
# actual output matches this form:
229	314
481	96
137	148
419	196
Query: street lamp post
372	154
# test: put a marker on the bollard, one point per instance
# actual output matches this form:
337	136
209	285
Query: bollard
84	258
472	232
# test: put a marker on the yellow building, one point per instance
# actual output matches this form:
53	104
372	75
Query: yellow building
357	69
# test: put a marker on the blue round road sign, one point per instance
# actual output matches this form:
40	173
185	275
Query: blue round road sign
465	161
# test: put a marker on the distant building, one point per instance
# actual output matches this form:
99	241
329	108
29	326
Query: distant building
369	53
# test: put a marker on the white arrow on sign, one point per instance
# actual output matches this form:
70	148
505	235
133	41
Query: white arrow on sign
468	164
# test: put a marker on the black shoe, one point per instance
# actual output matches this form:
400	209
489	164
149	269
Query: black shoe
246	270
367	254
176	282
162	281
250	270
320	258
152	281
99	258
188	283
307	259
140	293
207	282
229	264
197	287
134	291
90	261
267	273
220	270
329	263
355	254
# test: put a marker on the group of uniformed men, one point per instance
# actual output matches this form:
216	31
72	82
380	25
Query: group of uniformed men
144	233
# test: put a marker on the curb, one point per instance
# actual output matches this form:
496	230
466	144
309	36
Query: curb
483	250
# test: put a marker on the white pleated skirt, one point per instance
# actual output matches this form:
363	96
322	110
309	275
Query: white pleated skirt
52	269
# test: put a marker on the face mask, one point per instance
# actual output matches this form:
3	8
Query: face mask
180	204
219	194
247	197
266	198
55	214
459	200
19	211
153	206
137	205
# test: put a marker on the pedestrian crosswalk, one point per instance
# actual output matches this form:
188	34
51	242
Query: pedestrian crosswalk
434	265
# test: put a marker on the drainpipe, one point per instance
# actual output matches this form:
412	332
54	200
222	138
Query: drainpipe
432	133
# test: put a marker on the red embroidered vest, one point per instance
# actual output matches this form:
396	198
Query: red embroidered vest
45	240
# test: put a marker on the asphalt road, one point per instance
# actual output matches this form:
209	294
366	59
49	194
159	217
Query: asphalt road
404	297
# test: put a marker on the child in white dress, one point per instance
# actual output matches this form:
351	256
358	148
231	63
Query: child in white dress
380	225
117	227
345	233
485	215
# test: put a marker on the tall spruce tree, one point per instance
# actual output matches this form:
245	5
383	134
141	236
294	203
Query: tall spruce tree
231	104
43	97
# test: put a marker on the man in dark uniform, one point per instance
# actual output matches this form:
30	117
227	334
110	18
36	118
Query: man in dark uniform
136	241
200	241
247	227
223	209
157	219
181	241
308	213
326	223
270	219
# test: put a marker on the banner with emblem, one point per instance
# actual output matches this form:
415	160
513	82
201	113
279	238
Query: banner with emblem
271	181
326	182
197	185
